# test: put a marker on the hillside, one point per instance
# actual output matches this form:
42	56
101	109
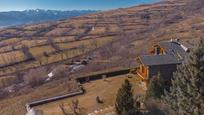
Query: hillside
112	39
126	28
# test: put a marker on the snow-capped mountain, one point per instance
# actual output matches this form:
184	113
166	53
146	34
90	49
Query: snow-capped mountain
13	18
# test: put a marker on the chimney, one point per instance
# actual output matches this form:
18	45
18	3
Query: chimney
157	50
184	48
177	39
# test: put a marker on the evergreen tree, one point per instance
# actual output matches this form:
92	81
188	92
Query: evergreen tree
186	95
156	87
124	101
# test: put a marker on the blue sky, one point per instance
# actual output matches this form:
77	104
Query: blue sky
8	5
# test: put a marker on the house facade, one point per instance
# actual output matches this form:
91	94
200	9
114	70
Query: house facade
162	58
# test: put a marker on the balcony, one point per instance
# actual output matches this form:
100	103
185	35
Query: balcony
142	75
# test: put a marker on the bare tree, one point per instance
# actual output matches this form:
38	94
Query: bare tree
94	43
75	107
62	108
60	71
40	62
52	43
3	93
72	85
62	55
26	52
35	77
4	59
67	54
82	48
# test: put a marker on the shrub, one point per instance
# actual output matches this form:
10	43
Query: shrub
35	77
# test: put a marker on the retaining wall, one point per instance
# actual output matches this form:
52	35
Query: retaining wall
80	79
86	78
48	100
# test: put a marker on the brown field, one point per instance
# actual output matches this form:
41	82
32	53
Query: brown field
121	35
16	103
105	89
8	80
38	53
11	57
160	21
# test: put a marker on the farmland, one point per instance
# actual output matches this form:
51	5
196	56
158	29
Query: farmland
31	46
110	39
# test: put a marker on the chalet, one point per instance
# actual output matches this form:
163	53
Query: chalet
163	58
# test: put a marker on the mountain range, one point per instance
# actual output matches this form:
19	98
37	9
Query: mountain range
13	18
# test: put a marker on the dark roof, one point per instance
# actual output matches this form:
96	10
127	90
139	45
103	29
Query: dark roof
175	54
151	60
175	49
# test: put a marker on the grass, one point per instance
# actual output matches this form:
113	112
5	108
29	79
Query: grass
129	20
9	57
58	31
11	40
113	28
159	30
34	42
98	30
16	103
38	53
36	26
107	90
8	80
77	31
64	38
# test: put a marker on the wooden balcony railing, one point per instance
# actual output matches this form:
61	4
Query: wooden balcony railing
142	75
